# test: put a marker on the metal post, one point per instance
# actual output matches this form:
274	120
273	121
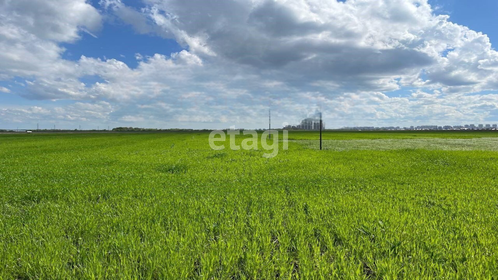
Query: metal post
269	123
321	125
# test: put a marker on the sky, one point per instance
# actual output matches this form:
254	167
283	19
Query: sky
211	64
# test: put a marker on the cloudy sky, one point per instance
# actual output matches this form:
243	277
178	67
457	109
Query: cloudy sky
223	63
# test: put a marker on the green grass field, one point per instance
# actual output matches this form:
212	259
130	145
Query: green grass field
166	206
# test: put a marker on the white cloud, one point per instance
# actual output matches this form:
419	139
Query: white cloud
132	119
54	20
98	112
242	55
4	90
362	43
31	30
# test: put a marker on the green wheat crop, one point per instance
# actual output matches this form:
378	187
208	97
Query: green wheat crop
166	206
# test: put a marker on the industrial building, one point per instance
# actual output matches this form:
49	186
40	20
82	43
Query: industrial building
311	123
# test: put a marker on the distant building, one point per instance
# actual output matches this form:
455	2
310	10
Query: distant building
466	127
310	124
427	127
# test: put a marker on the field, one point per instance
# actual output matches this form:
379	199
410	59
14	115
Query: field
166	206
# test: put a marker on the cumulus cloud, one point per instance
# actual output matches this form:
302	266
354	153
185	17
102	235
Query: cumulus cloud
98	112
31	31
243	55
361	43
54	20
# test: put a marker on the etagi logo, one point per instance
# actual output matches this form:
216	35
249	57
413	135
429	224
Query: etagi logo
269	141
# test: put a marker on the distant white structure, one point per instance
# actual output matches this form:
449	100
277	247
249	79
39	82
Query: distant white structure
29	131
310	123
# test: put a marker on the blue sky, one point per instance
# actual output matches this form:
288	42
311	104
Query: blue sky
119	41
203	64
477	15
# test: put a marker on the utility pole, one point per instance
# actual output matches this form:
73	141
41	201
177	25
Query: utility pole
321	125
37	126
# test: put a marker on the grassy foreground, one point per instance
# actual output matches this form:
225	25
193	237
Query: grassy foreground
166	206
